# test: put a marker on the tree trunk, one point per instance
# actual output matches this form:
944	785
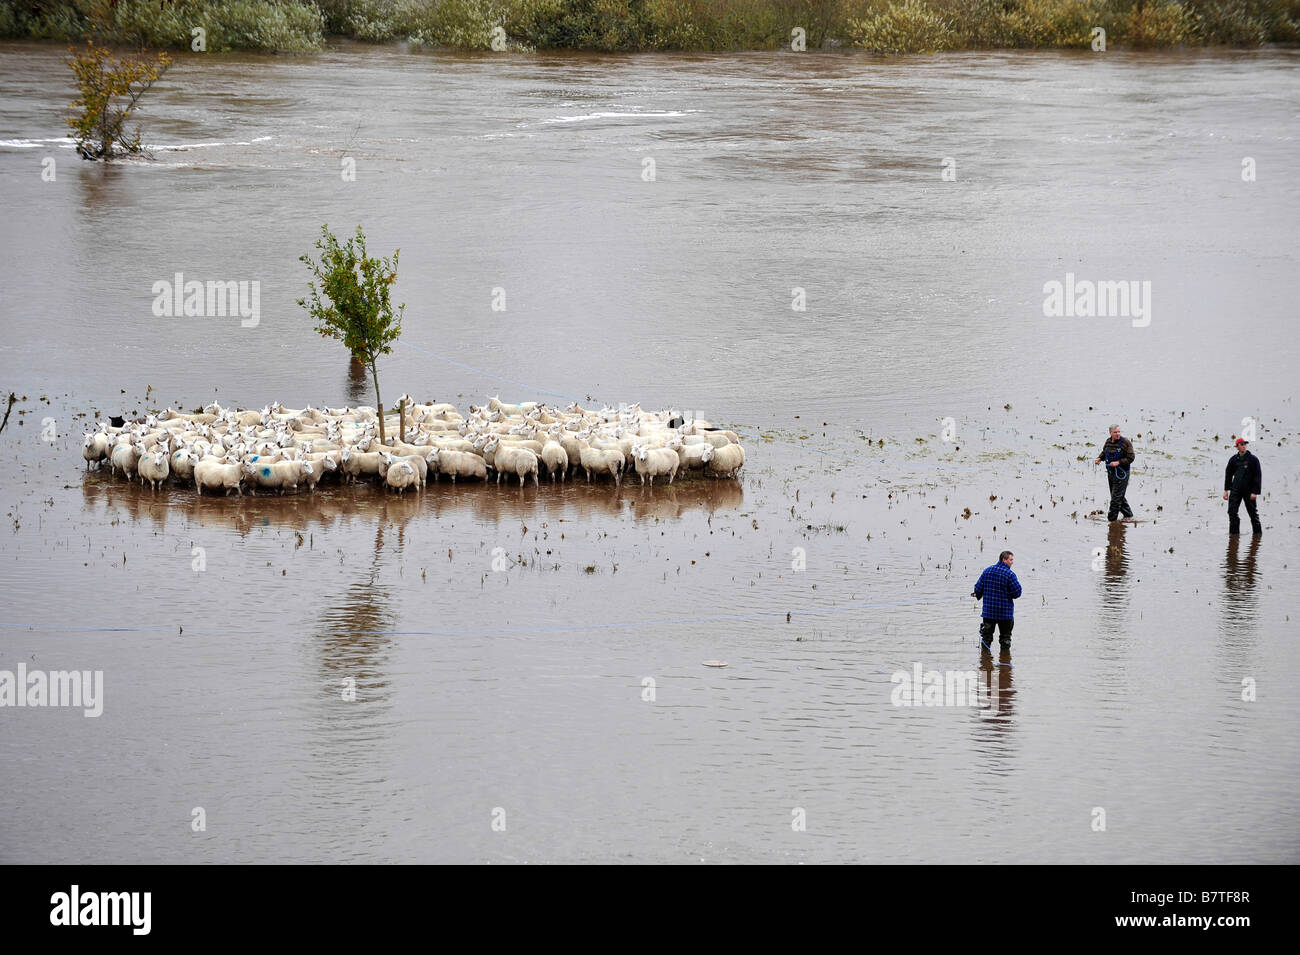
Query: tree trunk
378	401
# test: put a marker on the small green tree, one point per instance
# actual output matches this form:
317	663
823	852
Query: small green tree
110	90
351	301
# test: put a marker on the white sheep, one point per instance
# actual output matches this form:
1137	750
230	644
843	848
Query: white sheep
516	460
401	476
154	467
572	448
727	460
486	446
417	463
609	462
556	459
311	474
496	404
517	442
656	462
124	458
720	438
281	475
324	462
694	457
182	463
356	463
95	448
218	474
464	464
400	448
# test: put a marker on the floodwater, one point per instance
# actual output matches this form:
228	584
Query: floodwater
558	710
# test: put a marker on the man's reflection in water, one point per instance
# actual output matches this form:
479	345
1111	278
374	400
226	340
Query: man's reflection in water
1111	567
995	685
1114	569
1240	591
994	740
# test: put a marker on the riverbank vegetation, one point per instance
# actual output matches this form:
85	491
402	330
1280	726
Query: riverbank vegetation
883	26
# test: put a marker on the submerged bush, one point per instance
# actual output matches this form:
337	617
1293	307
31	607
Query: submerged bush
109	90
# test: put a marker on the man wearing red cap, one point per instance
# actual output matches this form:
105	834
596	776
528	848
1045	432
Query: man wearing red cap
1242	482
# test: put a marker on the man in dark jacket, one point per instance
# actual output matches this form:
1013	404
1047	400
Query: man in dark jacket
1243	481
1117	452
998	587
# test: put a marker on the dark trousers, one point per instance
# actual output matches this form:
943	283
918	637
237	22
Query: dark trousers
1235	500
1004	631
1118	505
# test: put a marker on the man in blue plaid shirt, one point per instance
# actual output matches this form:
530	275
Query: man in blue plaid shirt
998	587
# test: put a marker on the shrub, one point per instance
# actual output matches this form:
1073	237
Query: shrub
672	25
376	21
288	27
463	24
109	90
906	27
1231	21
1160	23
274	25
1058	23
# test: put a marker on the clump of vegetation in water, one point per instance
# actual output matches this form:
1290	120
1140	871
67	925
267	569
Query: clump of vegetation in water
352	302
109	91
883	26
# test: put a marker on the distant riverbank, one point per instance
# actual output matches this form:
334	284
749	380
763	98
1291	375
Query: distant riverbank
880	26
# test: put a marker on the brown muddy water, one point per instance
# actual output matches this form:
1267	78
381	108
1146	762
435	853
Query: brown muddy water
522	695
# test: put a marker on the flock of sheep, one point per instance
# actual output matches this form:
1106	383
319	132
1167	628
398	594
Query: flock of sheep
281	449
